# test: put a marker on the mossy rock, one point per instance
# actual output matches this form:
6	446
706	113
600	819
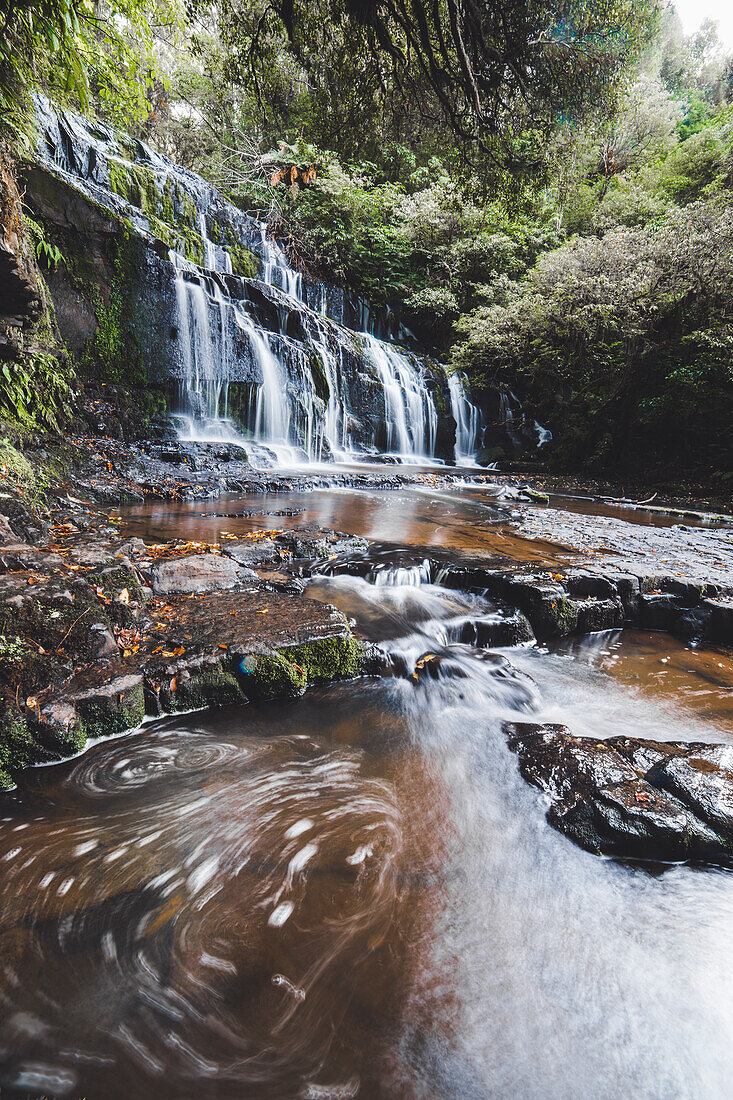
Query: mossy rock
272	676
69	743
320	381
211	687
104	717
337	658
136	185
536	496
244	261
564	616
52	623
18	748
113	580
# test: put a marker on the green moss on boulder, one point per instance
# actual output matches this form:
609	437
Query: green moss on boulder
564	616
211	687
18	748
320	381
338	658
273	676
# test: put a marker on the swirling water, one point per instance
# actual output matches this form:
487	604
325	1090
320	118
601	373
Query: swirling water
355	893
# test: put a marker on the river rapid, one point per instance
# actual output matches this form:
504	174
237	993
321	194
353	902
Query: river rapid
355	893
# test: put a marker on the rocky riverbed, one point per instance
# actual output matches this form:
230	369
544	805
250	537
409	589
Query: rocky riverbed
101	629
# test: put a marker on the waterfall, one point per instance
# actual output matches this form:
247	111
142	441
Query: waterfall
286	366
276	270
466	417
544	435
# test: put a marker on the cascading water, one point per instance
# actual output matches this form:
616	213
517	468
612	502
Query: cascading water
290	368
466	417
410	414
275	268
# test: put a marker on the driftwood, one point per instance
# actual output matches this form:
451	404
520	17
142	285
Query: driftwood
628	500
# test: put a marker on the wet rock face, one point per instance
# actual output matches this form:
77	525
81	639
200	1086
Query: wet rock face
584	601
631	798
20	302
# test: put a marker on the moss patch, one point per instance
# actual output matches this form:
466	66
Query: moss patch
17	747
272	676
320	381
328	658
103	717
564	615
115	355
212	687
70	741
244	261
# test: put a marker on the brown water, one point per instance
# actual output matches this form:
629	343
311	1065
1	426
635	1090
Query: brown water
447	520
355	894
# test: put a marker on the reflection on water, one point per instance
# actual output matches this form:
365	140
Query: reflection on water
447	520
355	893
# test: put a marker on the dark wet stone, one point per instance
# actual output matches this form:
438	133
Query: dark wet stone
721	619
493	630
659	611
594	615
589	584
703	780
101	641
631	798
252	554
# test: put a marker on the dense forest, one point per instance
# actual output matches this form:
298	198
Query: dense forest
545	192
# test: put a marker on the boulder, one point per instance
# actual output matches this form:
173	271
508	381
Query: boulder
630	798
253	554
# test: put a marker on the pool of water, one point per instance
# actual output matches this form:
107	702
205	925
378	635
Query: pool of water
450	520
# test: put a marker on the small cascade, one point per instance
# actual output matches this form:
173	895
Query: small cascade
275	268
544	435
410	414
392	576
466	417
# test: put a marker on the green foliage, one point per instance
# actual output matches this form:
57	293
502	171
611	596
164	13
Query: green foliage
77	50
13	649
48	254
424	242
17	748
115	355
36	391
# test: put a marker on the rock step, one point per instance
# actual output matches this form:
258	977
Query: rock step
582	601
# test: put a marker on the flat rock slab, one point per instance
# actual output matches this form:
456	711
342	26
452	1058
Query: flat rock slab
632	798
236	623
197	573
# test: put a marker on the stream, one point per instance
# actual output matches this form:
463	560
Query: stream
355	893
